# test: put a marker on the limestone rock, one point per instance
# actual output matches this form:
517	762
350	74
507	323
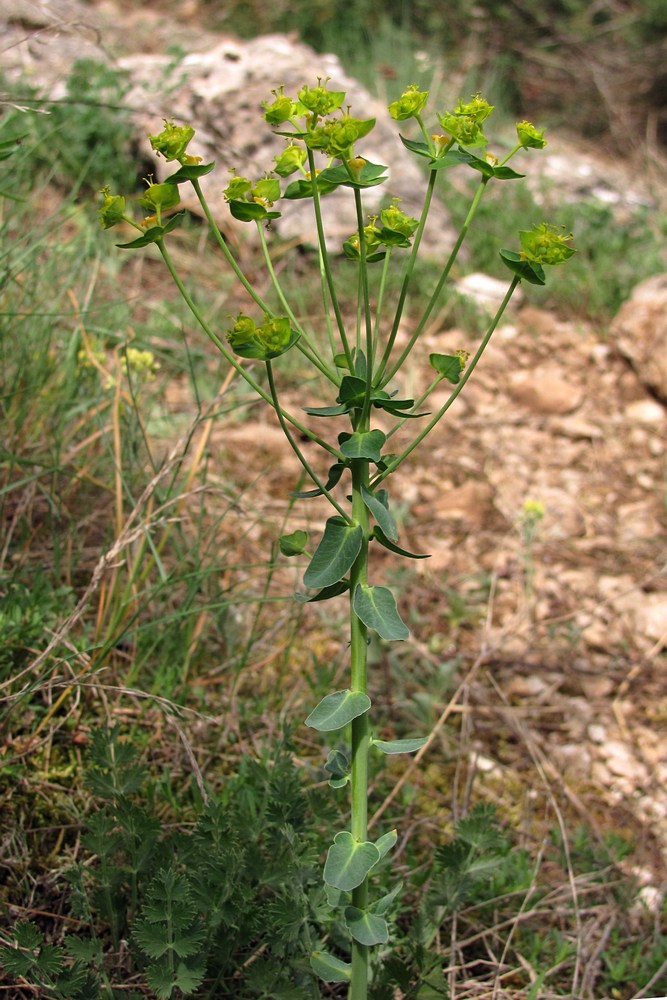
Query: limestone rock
544	390
640	333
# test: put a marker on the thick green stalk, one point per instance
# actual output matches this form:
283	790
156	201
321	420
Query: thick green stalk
360	727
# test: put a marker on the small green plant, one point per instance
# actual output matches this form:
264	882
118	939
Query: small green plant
361	368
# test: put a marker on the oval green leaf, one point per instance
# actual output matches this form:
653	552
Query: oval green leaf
363	444
527	270
376	607
294	543
349	861
400	746
366	928
329	968
447	365
380	536
339	547
385	843
380	511
337	710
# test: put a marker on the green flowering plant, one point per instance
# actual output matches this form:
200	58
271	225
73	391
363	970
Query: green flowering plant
360	368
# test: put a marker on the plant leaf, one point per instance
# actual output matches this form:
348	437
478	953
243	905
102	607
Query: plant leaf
366	927
337	710
335	590
447	365
385	843
154	234
329	968
294	543
376	607
335	472
400	746
384	904
190	172
363	444
349	861
247	211
379	535
527	270
333	557
380	512
420	148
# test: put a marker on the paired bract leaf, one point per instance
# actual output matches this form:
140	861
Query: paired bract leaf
154	234
339	547
447	365
337	710
349	861
376	607
527	270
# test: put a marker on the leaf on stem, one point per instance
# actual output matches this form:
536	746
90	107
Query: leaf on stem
349	861
154	234
400	746
447	365
363	444
339	547
329	968
294	543
385	843
369	175
335	472
378	506
335	590
527	270
366	927
190	172
376	607
337	710
250	211
379	535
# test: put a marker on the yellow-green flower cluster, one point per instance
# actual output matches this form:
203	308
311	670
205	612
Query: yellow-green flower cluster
529	136
464	124
142	364
410	104
268	340
172	142
545	244
112	209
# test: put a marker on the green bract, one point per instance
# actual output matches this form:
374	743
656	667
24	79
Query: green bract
290	160
160	197
172	141
393	218
411	102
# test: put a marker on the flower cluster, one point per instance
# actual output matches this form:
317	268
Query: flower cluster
268	340
172	142
464	124
545	244
409	105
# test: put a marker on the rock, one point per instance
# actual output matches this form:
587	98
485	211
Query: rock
645	411
486	291
544	390
640	333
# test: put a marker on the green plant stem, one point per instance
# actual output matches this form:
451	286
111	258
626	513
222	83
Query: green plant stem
366	303
441	281
239	368
360	728
392	466
295	448
325	261
304	343
229	256
400	305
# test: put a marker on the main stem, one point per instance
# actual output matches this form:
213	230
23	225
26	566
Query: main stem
360	728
